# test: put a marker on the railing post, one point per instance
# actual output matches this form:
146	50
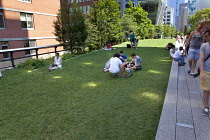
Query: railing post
12	59
55	49
37	55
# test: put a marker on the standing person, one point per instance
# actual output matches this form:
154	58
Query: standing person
204	65
132	38
195	41
136	43
179	56
57	62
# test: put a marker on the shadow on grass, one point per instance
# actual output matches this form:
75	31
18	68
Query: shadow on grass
81	102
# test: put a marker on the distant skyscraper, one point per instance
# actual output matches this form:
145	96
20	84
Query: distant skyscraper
195	5
155	8
169	16
181	19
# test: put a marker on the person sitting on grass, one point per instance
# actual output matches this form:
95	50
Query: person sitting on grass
135	64
179	56
57	62
115	66
172	51
168	46
123	57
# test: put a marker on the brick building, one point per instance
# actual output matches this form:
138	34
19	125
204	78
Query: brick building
27	23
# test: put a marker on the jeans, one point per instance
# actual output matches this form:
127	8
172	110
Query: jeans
180	59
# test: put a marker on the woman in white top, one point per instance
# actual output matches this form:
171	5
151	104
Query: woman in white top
57	62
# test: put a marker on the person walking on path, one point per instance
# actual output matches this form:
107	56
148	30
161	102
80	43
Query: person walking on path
204	65
194	43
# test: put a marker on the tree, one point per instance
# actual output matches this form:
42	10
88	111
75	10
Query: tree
70	27
158	31
143	22
104	17
128	24
199	16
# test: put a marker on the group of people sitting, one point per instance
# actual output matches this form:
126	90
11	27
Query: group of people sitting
118	64
178	55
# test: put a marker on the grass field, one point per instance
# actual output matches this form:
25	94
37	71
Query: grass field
80	102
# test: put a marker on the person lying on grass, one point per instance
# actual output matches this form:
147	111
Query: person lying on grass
57	62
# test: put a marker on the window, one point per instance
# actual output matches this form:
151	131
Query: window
84	9
168	16
168	12
4	46
29	43
88	8
2	25
26	21
29	1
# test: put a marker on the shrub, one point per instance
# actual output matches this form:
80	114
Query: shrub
35	63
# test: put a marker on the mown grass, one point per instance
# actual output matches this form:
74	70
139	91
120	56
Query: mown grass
81	102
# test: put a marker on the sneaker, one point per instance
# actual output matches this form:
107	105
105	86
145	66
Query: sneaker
180	64
189	71
205	113
195	75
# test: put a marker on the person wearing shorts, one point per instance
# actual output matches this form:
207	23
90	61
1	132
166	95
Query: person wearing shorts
204	65
194	42
132	38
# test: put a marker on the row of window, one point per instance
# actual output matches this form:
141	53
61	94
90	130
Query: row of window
72	1
25	18
27	43
28	1
85	9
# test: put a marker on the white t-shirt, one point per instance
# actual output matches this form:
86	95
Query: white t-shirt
172	53
115	65
58	60
177	54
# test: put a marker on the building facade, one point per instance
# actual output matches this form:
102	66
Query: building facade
195	5
169	16
182	18
155	8
27	23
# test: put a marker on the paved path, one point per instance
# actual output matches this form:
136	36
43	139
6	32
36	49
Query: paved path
181	117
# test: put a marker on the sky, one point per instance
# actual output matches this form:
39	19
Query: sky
172	3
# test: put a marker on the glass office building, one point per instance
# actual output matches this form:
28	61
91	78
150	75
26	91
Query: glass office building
155	8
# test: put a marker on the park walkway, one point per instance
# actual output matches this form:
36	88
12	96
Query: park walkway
181	117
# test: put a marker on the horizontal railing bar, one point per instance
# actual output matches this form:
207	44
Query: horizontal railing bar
28	48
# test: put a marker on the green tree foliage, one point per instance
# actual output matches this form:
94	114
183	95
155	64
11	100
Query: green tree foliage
70	27
158	31
128	24
198	17
104	19
143	22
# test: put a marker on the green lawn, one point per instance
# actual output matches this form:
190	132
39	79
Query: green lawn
80	102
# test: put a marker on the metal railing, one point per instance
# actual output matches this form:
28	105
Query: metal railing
11	51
